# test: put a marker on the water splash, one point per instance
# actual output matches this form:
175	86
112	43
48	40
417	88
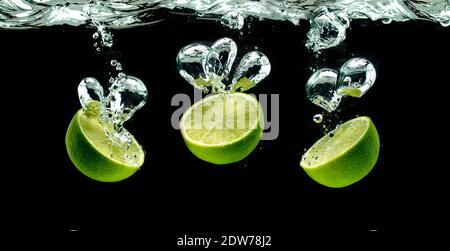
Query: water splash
127	94
89	89
254	67
356	76
326	87
129	13
321	89
233	19
328	28
210	68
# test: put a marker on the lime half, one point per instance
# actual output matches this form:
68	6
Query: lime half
94	154
223	128
345	155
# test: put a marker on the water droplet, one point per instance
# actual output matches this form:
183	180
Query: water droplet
321	89
127	95
121	75
328	28
233	19
89	89
190	62
356	77
318	118
95	35
254	67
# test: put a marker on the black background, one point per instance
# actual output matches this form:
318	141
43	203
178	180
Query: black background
174	193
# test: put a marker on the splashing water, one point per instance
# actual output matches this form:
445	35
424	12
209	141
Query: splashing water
210	68
127	94
328	28
89	89
321	89
126	13
326	87
356	76
233	19
328	18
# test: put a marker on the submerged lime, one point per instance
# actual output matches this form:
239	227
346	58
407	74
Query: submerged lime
223	128
94	154
345	155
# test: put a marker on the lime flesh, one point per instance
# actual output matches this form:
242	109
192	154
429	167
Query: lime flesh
344	156
354	92
223	128
94	154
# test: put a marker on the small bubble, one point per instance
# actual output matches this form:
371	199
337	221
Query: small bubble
318	118
111	80
386	20
95	44
119	67
114	62
121	75
98	49
95	35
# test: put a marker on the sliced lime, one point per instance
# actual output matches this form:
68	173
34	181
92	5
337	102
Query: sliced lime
94	154
223	128
345	155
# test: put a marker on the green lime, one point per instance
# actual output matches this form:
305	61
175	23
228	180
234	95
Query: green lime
94	154
223	128
354	92
345	155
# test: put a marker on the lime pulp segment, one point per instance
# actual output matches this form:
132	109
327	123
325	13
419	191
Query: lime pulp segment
223	128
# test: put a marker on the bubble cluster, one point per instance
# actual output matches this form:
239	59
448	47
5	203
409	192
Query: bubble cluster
210	68
326	87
